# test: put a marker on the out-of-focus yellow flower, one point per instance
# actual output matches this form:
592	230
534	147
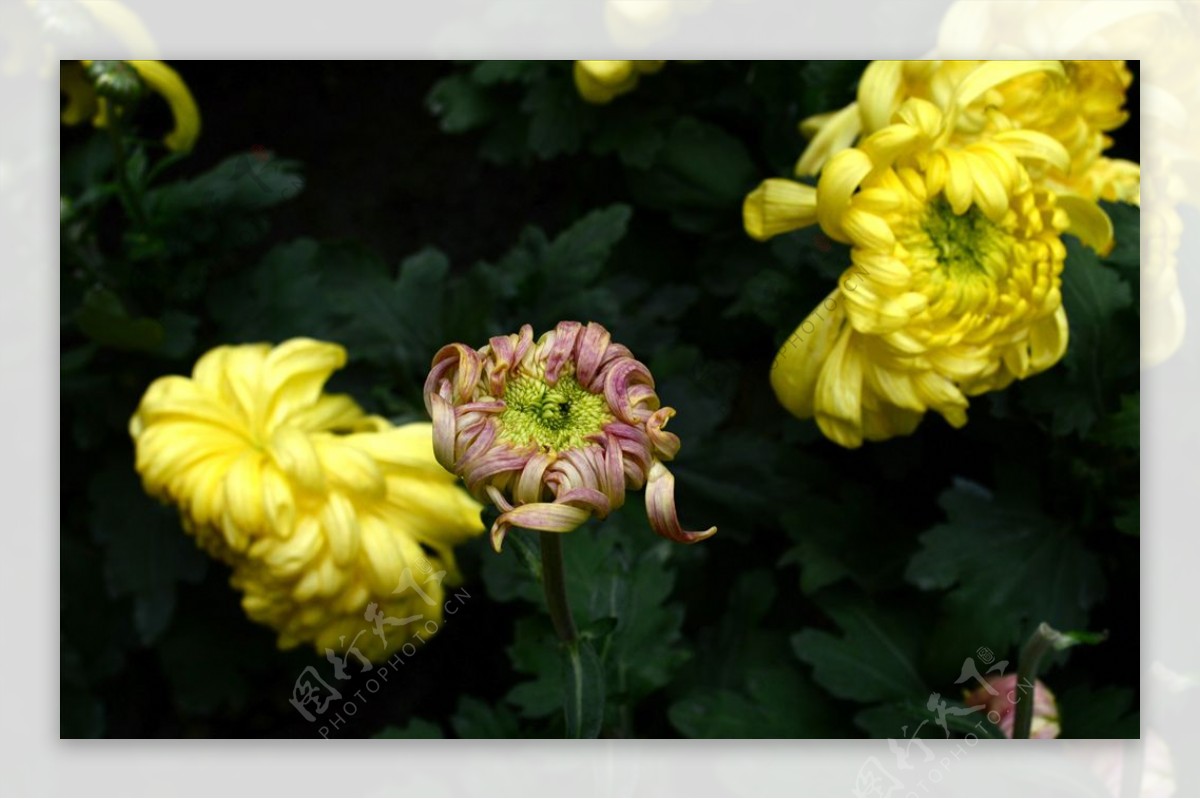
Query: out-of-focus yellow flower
954	287
84	102
1075	102
601	81
321	510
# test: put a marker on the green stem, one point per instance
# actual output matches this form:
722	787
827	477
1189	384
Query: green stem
555	585
130	198
1044	639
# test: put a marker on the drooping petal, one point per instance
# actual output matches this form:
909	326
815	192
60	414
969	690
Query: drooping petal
660	507
166	82
545	517
798	363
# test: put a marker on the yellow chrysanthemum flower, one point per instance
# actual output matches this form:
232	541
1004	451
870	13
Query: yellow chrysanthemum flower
84	103
1075	102
326	515
600	81
954	288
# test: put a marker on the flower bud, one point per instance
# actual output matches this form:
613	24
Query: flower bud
1000	697
554	432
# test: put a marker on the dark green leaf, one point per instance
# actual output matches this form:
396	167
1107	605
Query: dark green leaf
475	719
1100	352
777	702
700	168
459	104
558	119
908	719
103	318
1123	427
579	252
534	651
1009	564
146	550
279	298
873	660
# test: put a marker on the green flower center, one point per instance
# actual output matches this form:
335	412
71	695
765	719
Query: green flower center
553	417
967	245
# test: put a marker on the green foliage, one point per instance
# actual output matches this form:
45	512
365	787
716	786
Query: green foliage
144	555
844	591
875	658
1009	559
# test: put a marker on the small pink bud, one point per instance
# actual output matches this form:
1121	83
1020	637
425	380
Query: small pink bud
999	700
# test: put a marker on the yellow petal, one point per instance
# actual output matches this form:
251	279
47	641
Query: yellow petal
81	97
989	192
295	455
1088	222
830	134
294	374
868	230
1032	145
340	521
610	73
838	402
384	555
597	83
350	468
244	492
779	206
1048	340
278	501
328	412
879	93
992	73
839	180
287	558
886	144
796	367
166	82
960	189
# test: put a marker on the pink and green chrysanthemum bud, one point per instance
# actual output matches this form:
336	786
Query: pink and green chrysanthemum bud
554	432
1000	697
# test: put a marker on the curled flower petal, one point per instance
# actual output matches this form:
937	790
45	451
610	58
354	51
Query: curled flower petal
660	507
546	517
561	350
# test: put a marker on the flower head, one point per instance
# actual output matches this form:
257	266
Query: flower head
554	431
999	699
321	510
600	81
91	86
954	287
1077	103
